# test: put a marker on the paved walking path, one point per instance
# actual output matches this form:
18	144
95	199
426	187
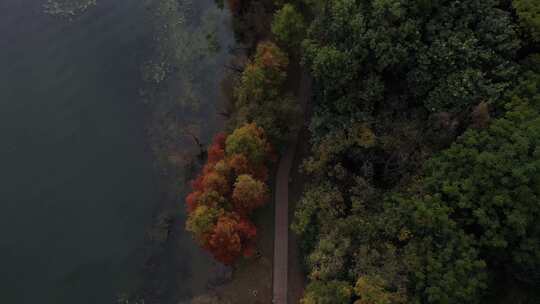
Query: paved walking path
281	233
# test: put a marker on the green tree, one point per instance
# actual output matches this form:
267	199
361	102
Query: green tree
490	181
528	12
321	203
260	97
263	78
443	262
288	26
250	141
333	292
372	290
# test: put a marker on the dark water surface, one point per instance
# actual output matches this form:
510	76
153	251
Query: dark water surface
77	186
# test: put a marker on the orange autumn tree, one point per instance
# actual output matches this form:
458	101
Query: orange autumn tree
230	187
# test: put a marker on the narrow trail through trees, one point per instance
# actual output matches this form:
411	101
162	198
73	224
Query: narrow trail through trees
281	233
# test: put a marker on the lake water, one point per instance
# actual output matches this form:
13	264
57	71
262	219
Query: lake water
77	187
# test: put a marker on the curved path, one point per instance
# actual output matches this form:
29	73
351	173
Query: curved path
281	233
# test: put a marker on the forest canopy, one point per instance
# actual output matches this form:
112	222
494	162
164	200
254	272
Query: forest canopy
425	162
261	97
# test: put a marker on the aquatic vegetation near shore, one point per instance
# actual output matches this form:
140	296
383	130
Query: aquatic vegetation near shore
184	52
68	8
183	45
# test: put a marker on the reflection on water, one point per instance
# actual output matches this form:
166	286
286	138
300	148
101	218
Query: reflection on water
191	43
76	181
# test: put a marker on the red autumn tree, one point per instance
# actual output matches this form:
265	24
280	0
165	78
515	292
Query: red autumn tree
248	194
216	151
196	184
192	201
248	232
217	207
232	237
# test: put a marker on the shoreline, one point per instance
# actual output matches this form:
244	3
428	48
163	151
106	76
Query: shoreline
236	284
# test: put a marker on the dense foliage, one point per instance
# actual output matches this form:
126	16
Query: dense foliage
288	26
528	12
425	164
231	185
476	206
260	97
373	56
